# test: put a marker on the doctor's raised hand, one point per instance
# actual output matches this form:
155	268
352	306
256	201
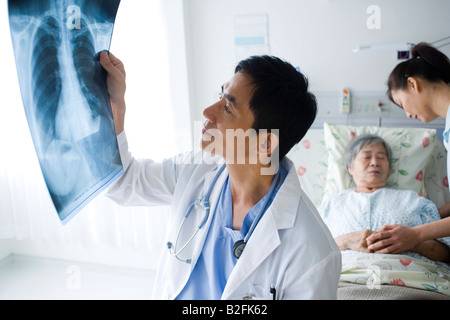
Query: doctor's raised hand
115	82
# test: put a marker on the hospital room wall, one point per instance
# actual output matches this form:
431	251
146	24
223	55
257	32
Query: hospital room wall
36	231
317	36
5	248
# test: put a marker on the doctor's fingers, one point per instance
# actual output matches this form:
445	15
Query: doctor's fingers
115	79
112	65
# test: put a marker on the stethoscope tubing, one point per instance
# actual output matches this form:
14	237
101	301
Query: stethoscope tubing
204	204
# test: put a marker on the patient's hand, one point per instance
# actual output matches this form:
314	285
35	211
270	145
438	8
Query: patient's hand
354	241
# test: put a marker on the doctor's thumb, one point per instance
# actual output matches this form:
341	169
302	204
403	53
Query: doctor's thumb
111	63
105	61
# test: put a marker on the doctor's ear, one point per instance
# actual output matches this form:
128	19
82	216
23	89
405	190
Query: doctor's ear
268	142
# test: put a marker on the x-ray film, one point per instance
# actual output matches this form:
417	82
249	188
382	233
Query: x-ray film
56	46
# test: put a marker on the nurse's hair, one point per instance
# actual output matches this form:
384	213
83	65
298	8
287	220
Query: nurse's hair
426	63
280	99
357	143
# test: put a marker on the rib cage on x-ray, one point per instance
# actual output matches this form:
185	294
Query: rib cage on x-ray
68	110
88	72
46	72
65	72
47	79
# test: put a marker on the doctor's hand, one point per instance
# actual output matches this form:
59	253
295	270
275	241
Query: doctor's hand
393	239
115	82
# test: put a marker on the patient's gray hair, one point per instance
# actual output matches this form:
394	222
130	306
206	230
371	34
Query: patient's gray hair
359	142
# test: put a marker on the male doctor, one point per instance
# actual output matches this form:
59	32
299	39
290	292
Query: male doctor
255	235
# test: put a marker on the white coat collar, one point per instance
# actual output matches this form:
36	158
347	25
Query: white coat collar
280	215
284	206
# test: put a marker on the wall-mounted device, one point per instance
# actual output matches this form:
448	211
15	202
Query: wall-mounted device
345	101
403	48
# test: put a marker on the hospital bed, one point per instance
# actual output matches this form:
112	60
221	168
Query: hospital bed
419	164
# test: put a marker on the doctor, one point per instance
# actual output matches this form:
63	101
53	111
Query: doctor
240	225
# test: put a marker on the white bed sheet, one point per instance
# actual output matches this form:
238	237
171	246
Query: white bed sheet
375	270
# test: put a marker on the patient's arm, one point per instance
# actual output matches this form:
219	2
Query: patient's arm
354	241
433	250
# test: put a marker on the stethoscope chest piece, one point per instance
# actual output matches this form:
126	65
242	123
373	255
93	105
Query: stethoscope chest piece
203	203
238	247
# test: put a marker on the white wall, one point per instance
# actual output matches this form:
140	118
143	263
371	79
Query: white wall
5	248
316	35
28	220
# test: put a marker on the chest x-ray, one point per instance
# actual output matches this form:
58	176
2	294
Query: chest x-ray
56	45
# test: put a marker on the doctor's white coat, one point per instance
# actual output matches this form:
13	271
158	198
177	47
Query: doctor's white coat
291	248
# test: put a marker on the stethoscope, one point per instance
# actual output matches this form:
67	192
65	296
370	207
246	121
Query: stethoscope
203	203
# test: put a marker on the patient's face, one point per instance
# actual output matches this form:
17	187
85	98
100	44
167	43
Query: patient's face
370	168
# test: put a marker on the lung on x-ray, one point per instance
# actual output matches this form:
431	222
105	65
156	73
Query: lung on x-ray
56	46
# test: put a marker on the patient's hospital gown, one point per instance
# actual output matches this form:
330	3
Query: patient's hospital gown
352	211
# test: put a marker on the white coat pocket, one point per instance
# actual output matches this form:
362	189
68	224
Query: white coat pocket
258	292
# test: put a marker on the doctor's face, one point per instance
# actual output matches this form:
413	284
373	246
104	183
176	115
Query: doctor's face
370	168
230	119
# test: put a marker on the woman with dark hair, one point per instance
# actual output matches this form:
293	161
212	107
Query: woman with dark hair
421	87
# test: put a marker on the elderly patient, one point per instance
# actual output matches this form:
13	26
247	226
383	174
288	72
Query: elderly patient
355	214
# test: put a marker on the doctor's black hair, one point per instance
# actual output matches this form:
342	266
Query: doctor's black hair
280	99
426	62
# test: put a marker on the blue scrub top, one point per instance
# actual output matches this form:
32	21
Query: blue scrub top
216	261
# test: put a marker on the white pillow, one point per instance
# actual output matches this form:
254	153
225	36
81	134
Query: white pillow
310	157
411	150
436	180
